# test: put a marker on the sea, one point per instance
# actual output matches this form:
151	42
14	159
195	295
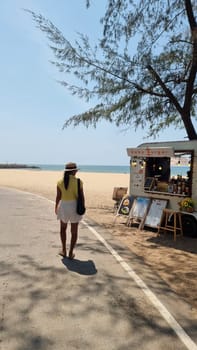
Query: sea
112	169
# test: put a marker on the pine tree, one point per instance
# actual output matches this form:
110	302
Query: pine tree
142	72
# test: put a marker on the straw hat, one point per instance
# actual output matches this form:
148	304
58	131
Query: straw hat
71	167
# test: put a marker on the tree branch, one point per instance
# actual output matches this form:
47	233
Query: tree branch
168	93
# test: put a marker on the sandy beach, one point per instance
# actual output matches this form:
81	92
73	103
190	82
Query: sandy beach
174	262
98	187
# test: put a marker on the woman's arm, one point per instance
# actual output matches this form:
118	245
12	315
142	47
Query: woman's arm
58	198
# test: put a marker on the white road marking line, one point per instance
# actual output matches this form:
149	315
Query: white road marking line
183	336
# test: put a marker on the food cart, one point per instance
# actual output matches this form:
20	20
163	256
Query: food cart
151	176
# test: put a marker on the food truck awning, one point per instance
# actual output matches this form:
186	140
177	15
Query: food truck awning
151	152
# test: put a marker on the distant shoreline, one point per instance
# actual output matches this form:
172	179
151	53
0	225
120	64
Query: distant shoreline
18	166
101	169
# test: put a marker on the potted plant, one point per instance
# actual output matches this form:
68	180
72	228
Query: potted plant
187	204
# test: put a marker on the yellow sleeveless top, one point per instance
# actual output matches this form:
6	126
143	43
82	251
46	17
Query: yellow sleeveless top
72	192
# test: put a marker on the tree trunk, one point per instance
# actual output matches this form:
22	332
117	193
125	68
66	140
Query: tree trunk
191	133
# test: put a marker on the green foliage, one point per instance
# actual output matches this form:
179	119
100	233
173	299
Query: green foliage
143	70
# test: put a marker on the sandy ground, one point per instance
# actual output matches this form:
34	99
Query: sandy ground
175	262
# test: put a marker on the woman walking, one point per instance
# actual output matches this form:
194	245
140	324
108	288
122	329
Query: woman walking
65	207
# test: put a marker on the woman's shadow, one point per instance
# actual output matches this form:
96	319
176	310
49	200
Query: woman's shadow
80	266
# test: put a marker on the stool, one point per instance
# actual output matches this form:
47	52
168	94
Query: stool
175	217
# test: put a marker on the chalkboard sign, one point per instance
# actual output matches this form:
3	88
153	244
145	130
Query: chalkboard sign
139	207
155	212
125	205
149	183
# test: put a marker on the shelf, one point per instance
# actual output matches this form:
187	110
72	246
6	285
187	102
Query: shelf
167	193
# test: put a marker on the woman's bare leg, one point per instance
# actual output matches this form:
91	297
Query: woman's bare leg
63	228
74	236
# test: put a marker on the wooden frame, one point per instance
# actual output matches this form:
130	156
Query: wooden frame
118	193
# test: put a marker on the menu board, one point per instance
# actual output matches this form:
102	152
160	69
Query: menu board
140	207
149	183
155	212
125	205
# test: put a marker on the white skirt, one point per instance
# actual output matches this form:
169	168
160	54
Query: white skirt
67	212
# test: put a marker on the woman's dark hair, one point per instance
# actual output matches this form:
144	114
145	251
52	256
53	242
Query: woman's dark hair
66	179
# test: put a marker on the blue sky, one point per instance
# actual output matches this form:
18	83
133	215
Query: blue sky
34	106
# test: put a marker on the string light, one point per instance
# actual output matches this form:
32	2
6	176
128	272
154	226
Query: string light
134	162
141	164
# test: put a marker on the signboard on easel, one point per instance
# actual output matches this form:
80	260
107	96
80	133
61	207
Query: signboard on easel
154	214
138	211
125	205
139	207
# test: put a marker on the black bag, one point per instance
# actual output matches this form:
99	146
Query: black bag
80	202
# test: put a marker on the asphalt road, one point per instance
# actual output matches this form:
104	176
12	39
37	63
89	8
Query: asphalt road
105	299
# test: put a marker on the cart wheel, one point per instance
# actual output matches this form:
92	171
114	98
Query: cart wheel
189	224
